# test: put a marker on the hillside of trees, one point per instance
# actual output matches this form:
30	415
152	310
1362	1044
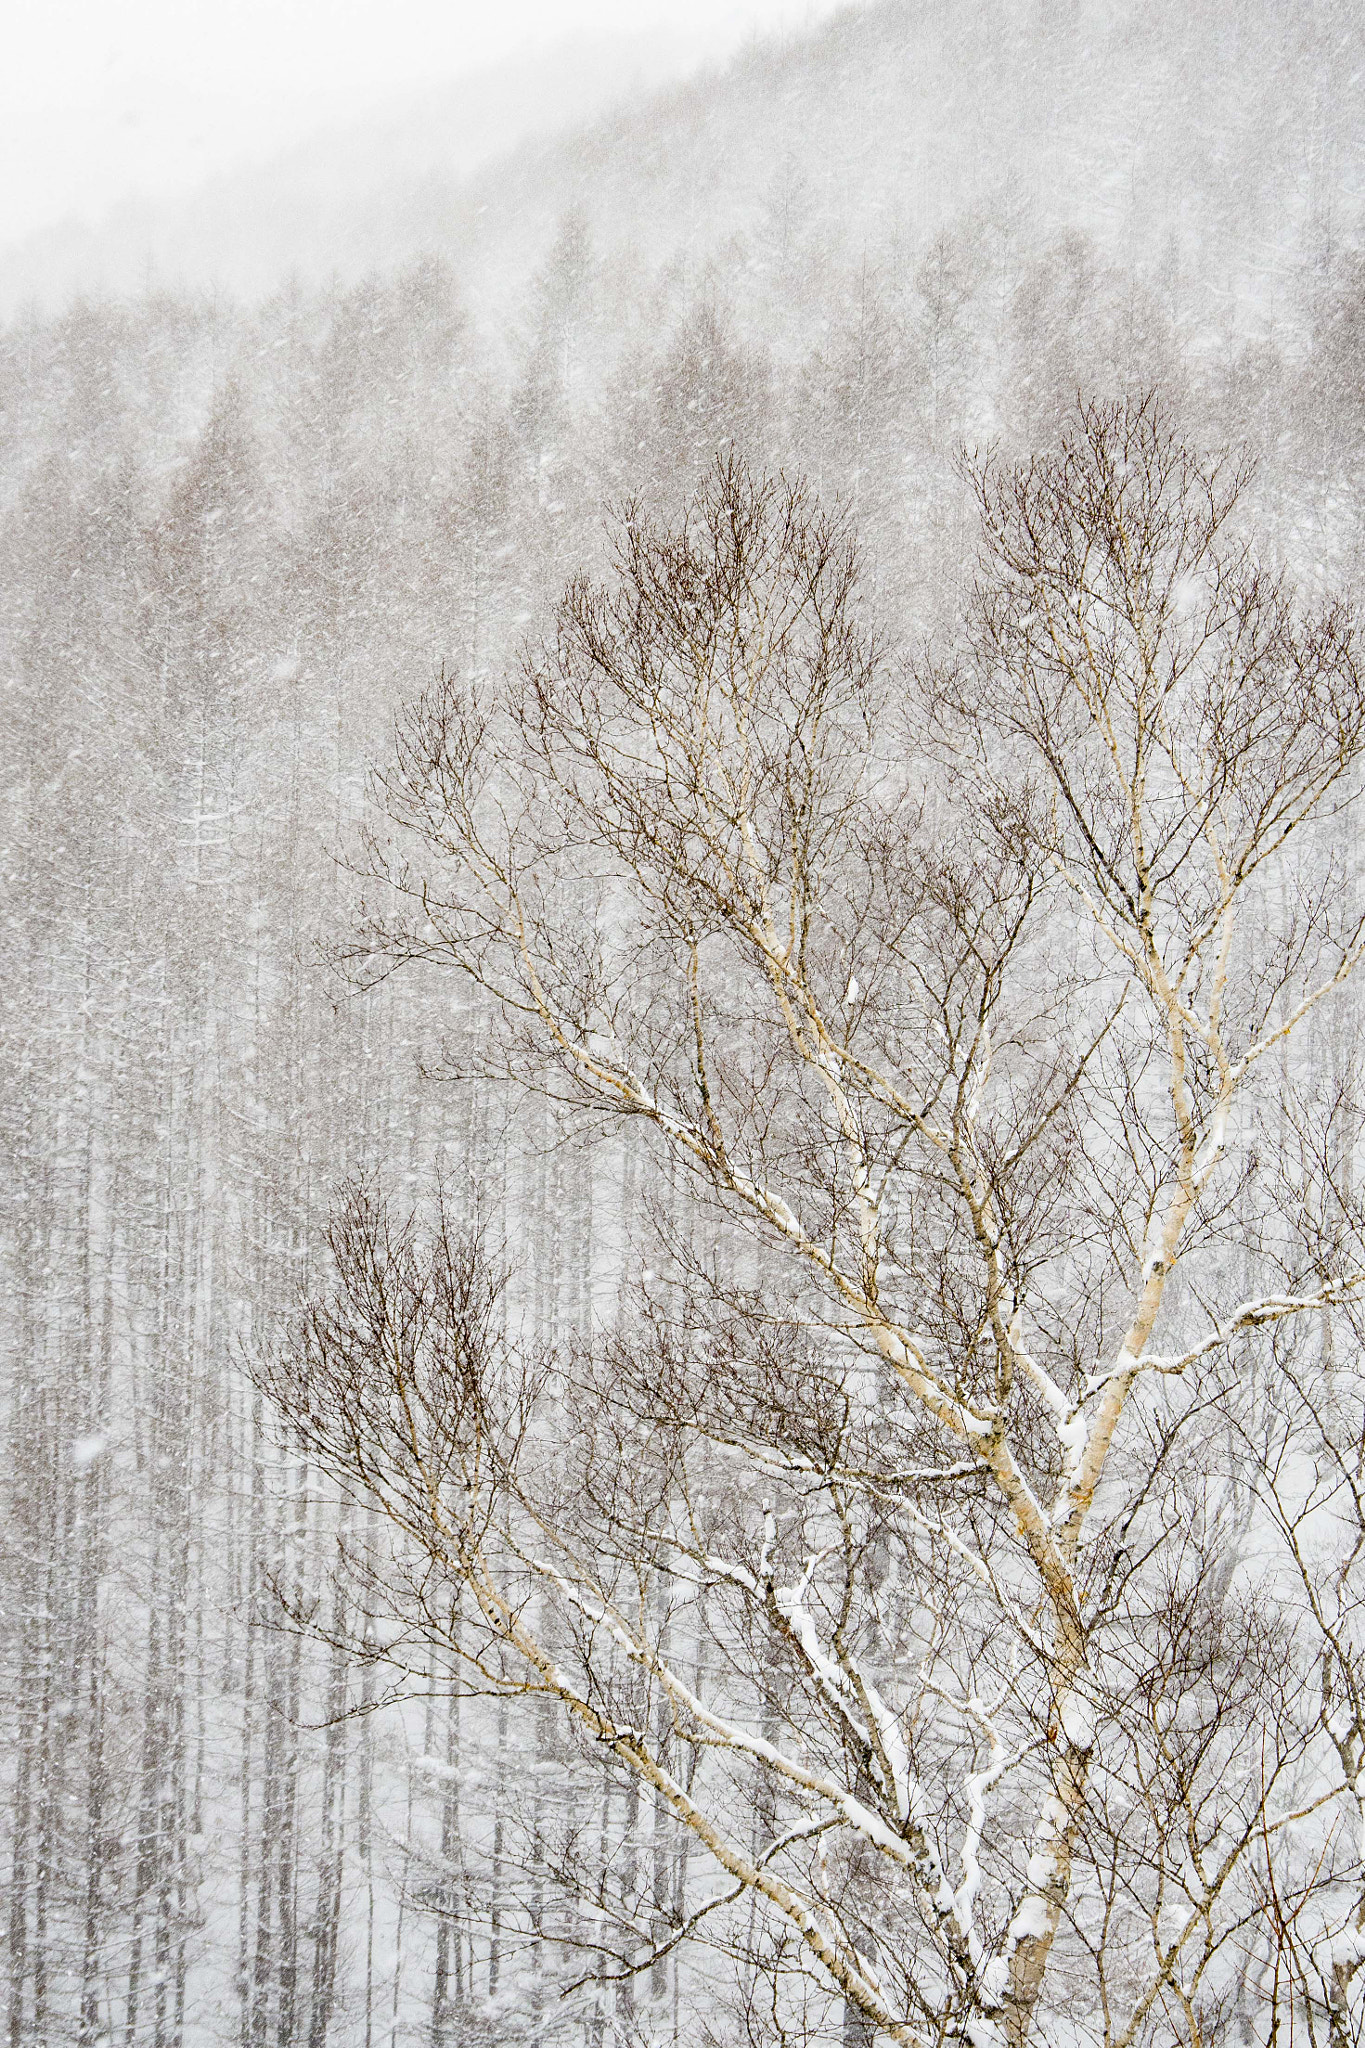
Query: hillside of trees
237	535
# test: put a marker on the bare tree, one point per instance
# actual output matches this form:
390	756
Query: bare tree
901	1549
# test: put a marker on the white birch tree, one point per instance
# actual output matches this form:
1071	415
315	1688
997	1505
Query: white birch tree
901	1545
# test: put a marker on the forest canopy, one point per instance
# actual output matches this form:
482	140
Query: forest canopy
883	284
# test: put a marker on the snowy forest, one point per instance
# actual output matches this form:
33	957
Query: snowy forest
542	1330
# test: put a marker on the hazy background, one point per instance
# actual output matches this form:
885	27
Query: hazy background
326	335
105	102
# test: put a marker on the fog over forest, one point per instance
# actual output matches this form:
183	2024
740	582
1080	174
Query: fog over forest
505	1537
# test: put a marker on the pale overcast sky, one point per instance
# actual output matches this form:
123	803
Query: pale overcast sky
101	99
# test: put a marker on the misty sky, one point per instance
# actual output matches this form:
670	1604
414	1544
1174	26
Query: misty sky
103	99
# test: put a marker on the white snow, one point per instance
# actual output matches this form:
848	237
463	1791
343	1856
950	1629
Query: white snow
1078	1723
1030	1922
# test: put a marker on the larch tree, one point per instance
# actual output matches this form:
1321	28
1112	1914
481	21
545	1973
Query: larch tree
954	1546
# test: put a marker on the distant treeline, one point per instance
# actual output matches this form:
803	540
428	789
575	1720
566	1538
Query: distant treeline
233	538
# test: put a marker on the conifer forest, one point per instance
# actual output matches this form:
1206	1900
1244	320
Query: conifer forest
682	1240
